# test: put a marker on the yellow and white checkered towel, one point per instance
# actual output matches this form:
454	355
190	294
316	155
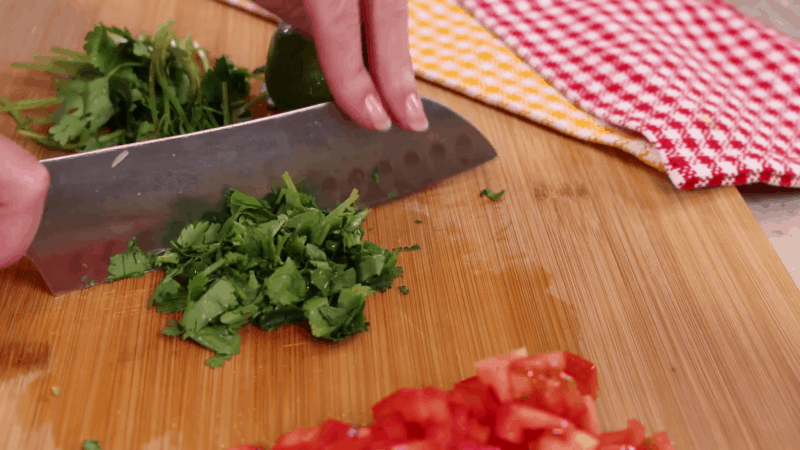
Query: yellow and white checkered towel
451	49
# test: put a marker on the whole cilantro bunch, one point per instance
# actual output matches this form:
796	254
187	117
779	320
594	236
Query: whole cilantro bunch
272	262
124	89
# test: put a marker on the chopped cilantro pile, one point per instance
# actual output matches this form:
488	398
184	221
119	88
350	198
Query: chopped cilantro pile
272	262
122	89
494	196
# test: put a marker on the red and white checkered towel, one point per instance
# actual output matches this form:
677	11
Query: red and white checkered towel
716	92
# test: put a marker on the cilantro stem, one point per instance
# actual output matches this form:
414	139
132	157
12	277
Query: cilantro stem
213	267
115	69
339	209
5	102
48	68
254	101
45	140
77	55
32	103
288	180
226	114
152	99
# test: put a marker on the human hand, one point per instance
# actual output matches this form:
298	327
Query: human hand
373	99
24	182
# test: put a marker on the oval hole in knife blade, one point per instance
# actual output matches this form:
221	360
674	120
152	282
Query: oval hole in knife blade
438	152
328	186
384	168
371	193
355	178
402	187
411	159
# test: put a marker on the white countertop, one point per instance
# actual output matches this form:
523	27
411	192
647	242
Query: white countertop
778	212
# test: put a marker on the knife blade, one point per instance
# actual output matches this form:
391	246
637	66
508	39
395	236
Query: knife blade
99	200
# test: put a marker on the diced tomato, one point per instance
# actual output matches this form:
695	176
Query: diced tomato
414	405
659	441
494	372
549	362
514	419
413	414
466	426
589	422
333	430
299	439
584	372
634	435
475	397
569	440
543	402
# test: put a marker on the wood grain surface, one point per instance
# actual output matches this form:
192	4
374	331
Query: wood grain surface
677	296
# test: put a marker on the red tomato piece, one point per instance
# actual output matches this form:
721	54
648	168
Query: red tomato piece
584	372
589	422
659	441
553	362
246	447
514	419
414	405
416	445
530	374
298	439
467	446
476	397
494	372
412	414
634	435
333	430
569	440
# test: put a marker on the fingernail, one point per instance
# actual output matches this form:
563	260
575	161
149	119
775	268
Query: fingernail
379	117
414	113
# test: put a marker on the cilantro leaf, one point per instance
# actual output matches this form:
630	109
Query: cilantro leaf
286	285
278	317
132	264
404	290
492	195
218	299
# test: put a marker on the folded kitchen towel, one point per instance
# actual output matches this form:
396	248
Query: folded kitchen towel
451	49
717	93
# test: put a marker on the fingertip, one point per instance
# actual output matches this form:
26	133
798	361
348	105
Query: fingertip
378	115
415	114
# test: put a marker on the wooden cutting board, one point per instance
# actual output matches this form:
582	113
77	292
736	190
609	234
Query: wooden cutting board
677	296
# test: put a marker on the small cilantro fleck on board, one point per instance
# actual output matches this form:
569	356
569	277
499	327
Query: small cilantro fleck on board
374	174
418	222
272	262
91	445
404	290
406	249
494	196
